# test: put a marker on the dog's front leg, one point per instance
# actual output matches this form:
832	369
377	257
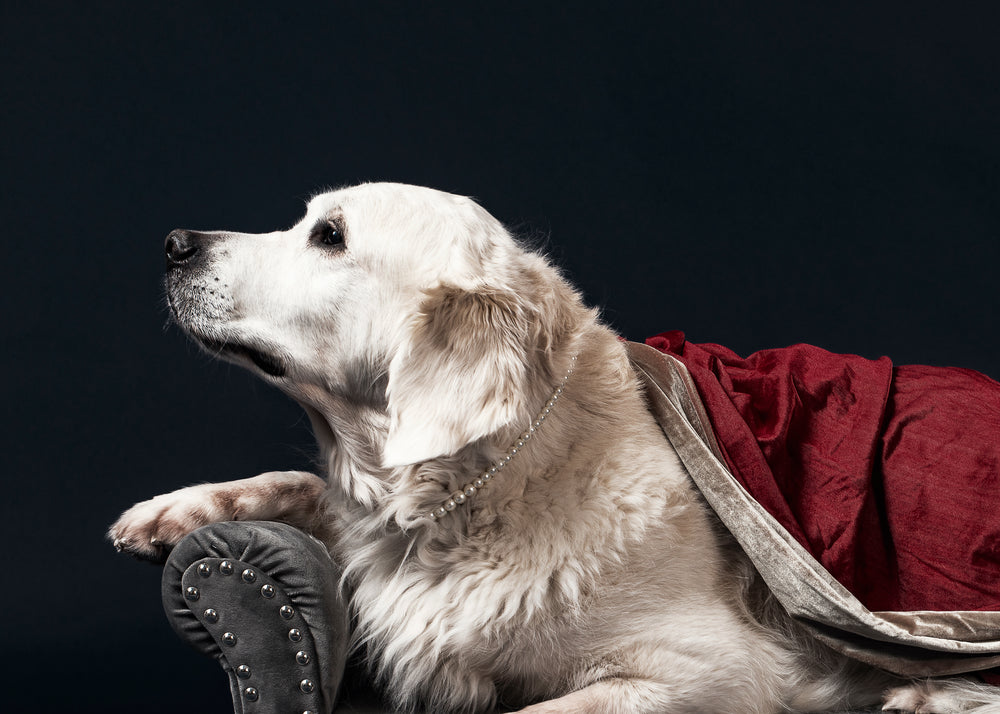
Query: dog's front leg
616	695
150	529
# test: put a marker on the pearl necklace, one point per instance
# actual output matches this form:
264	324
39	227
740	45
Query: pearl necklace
473	487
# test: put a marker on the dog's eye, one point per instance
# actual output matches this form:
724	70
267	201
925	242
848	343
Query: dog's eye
328	233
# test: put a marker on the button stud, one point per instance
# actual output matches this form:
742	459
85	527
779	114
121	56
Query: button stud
243	672
248	576
307	686
192	594
287	612
229	638
211	615
226	568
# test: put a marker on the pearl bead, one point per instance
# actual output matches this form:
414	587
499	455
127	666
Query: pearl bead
440	512
487	477
470	491
459	498
450	504
478	483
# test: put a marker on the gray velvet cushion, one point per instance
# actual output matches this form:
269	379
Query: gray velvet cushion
262	598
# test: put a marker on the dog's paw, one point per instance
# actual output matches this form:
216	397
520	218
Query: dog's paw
903	699
941	697
150	529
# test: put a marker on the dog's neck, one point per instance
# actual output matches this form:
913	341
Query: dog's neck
471	489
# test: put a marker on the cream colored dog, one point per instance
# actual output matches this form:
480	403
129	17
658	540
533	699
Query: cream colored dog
513	525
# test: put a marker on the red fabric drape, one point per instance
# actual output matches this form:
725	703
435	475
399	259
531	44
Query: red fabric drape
889	476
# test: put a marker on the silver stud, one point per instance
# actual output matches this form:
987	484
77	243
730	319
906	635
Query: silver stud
251	694
308	711
450	504
204	570
302	657
306	685
226	568
287	612
229	638
459	498
267	591
295	635
243	672
192	594
211	615
248	576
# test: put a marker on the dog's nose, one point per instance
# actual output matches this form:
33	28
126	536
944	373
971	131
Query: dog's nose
181	246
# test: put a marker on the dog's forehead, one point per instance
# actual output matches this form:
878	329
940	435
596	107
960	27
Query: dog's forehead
387	200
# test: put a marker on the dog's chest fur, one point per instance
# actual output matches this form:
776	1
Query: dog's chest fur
567	567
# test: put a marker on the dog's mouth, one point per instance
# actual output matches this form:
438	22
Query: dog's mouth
264	361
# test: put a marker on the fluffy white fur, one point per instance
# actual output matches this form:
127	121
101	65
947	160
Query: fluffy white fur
421	339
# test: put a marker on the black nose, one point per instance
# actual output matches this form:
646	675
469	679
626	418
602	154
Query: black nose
181	247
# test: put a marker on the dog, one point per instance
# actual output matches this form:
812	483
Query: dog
513	527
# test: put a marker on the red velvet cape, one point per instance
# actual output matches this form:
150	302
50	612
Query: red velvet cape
888	475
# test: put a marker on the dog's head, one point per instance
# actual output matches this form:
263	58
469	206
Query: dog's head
412	303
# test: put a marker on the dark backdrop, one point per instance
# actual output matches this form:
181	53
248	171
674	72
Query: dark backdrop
755	174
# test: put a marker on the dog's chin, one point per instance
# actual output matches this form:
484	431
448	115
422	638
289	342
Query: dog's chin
267	362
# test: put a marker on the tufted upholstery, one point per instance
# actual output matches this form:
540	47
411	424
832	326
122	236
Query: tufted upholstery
264	600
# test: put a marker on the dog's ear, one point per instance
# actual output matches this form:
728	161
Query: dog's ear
459	375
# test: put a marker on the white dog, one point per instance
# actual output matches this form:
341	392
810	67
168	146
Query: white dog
514	528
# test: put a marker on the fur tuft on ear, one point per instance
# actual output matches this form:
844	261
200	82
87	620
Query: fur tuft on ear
459	375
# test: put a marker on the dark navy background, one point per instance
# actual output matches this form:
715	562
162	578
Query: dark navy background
754	174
